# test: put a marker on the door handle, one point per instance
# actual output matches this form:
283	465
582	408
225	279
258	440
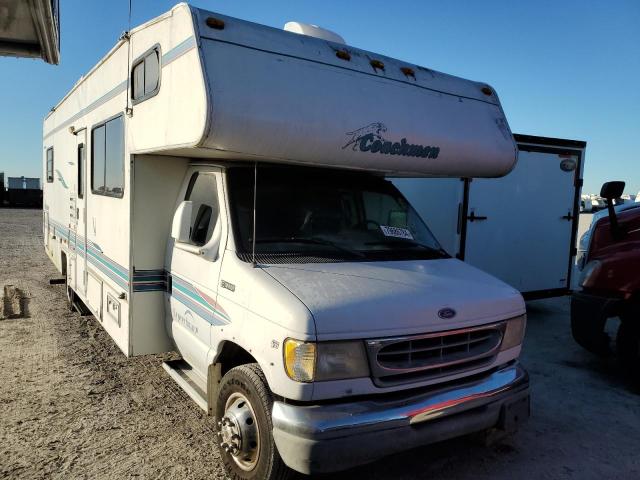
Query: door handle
568	217
474	217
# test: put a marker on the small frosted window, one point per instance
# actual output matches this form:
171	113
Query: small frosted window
145	76
151	72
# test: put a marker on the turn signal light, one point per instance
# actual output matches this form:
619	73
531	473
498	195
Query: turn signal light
299	360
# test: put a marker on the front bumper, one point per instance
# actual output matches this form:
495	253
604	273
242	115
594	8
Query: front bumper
335	436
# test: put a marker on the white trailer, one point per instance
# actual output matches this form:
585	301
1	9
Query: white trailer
216	187
520	228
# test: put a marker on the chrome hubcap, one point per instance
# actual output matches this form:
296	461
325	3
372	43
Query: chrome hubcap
239	433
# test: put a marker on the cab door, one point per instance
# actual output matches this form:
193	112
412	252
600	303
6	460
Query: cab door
194	268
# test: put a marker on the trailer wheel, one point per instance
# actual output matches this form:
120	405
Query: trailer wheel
243	415
628	346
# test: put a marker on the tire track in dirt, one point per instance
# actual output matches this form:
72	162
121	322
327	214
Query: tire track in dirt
72	405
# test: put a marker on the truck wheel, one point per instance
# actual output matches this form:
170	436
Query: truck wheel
628	346
243	414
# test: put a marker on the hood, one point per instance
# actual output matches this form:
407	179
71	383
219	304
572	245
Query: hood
369	299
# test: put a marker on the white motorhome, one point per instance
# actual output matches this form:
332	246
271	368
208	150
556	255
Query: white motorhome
217	188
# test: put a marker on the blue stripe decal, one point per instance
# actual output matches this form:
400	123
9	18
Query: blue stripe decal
112	269
187	289
206	315
179	50
115	91
173	54
148	280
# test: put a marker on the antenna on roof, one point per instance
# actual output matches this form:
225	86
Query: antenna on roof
255	196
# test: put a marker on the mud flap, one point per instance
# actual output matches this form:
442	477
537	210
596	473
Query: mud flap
512	415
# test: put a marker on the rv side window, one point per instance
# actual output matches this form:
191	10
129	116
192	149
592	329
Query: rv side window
81	158
107	158
202	191
145	76
50	165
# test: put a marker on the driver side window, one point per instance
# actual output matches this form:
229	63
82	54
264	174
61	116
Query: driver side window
203	192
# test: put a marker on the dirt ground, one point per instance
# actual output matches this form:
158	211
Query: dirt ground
72	406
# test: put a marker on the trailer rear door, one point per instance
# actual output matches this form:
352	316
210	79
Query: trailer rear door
520	228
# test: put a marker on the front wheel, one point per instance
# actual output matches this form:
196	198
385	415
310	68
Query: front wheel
243	414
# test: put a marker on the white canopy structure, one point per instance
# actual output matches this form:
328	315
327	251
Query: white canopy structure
30	29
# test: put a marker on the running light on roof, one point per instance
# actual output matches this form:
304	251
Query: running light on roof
215	23
343	55
377	64
408	72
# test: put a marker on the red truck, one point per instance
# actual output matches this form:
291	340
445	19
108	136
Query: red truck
610	284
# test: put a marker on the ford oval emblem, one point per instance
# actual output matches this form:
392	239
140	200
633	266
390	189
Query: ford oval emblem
446	313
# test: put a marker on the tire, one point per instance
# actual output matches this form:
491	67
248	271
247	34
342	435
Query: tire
628	347
244	405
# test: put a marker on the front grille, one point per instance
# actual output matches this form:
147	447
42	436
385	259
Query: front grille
396	361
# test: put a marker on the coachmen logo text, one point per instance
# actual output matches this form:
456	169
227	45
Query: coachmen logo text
370	139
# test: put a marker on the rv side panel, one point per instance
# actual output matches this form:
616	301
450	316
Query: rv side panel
175	114
98	100
157	181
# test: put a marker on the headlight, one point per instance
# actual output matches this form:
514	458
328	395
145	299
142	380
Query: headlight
307	361
514	333
341	360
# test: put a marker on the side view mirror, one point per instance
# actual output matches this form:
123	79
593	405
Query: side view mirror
181	226
611	191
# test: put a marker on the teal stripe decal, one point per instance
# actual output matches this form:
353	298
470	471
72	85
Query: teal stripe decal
179	50
118	89
61	179
173	54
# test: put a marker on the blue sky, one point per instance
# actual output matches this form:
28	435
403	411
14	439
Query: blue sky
568	69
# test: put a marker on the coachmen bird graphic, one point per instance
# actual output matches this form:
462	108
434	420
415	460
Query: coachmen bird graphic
375	129
369	139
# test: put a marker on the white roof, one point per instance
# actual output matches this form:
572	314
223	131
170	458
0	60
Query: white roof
284	97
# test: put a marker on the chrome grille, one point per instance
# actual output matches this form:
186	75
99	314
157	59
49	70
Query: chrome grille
409	359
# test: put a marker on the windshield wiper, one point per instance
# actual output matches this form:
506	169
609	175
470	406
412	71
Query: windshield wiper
411	244
312	241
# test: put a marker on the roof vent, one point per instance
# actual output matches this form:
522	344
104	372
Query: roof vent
313	31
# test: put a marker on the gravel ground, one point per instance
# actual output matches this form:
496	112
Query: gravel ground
72	406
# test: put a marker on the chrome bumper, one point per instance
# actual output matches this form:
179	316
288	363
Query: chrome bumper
330	437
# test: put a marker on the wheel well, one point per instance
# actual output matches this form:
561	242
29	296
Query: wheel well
233	355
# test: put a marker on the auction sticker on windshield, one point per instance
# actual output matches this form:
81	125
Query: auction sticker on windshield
396	232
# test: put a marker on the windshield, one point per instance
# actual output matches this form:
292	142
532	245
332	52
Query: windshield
326	215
